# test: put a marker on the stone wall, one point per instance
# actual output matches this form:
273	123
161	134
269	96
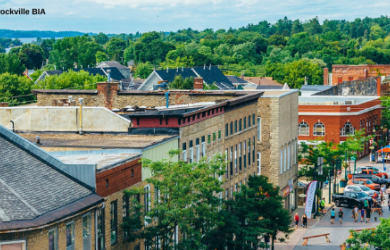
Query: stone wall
362	87
39	239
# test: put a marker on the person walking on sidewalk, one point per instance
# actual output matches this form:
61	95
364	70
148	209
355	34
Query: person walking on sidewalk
362	213
296	219
322	204
366	205
368	214
332	216
304	220
341	216
388	203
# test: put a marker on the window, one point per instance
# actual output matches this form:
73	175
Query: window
100	229
303	128
70	236
13	245
191	152
240	125
244	154
184	151
214	136
253	119
340	79
231	161
125	211
53	239
227	164
244	122
350	78
259	128
249	121
249	152
197	150
235	127
235	158
114	222
208	139
87	232
219	134
285	159
288	156
281	161
347	129
160	120
203	146
231	128
239	156
319	129
226	129
253	150
147	198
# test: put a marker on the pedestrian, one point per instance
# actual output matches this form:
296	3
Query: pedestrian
267	240
296	219
368	214
332	216
304	220
355	213
362	213
388	203
366	205
322	204
381	196
341	216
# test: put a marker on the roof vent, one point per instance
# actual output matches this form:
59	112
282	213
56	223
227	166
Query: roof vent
335	103
348	102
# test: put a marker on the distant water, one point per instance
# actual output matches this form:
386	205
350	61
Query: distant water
29	40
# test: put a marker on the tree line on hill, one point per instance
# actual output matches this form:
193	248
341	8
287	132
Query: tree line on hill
287	50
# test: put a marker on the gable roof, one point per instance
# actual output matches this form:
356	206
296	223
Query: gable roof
262	81
33	191
236	80
108	64
170	74
115	73
214	75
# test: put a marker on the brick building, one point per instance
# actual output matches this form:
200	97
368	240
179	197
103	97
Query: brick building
333	118
41	206
343	73
277	112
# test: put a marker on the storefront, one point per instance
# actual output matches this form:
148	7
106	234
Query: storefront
289	193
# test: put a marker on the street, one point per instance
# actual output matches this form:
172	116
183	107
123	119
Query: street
338	232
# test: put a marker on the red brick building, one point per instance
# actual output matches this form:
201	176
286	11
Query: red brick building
341	73
333	118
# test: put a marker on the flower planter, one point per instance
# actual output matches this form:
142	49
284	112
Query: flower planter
343	184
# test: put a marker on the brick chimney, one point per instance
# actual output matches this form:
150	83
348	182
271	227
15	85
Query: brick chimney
326	76
109	91
242	76
365	73
198	83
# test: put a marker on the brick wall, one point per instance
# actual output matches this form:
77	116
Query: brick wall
39	239
117	178
342	73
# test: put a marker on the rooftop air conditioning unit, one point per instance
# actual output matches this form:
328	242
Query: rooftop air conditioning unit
348	102
335	103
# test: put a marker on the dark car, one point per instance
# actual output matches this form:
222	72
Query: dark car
351	199
373	178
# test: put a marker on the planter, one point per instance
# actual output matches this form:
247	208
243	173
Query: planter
343	184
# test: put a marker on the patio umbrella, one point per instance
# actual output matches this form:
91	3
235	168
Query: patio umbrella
384	150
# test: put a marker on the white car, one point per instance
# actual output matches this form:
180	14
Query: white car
360	188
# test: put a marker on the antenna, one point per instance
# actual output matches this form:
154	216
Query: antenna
210	67
167	69
204	67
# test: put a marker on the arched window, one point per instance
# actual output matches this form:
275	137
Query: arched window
319	129
347	129
303	128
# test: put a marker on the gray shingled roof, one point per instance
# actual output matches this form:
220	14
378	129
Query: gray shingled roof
30	187
315	87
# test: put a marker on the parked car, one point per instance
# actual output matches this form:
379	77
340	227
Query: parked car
373	171
351	199
365	182
360	188
373	178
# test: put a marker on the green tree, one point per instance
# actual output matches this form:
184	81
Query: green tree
376	238
30	55
101	38
277	40
182	83
143	70
115	48
15	89
296	71
101	56
181	197
11	63
70	80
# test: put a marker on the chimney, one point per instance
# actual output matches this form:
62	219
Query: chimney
242	76
38	140
109	92
109	75
365	74
198	83
326	76
3	104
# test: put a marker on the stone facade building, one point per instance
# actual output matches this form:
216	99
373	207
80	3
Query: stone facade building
276	115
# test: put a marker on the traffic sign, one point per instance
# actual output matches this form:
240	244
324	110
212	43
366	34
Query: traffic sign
371	141
353	158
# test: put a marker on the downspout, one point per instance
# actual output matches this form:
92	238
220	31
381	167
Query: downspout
167	98
13	125
81	115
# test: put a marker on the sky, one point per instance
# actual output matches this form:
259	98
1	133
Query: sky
130	16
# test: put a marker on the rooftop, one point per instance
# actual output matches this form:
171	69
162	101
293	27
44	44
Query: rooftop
102	158
315	87
335	100
34	191
94	140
